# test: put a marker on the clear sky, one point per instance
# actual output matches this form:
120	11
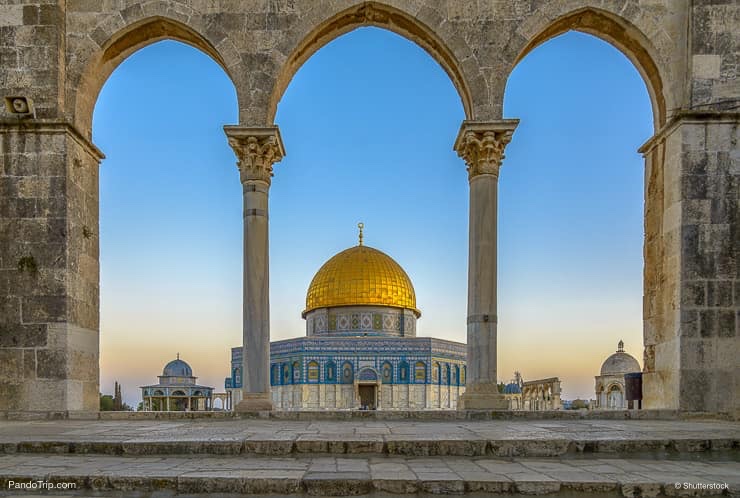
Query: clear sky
368	123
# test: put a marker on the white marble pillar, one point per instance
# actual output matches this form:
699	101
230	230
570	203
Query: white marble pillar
481	145
257	150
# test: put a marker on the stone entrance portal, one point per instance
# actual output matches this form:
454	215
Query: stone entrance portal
368	396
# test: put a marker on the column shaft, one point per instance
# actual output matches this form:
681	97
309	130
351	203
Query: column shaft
257	149
255	378
481	145
482	319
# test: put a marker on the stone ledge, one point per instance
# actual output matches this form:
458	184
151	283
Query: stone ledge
331	476
382	446
422	415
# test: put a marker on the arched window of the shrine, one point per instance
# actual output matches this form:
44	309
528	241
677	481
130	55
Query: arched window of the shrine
331	372
297	374
348	376
387	373
275	374
403	373
420	372
313	372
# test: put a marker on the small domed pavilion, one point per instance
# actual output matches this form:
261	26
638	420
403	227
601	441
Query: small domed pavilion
177	390
610	390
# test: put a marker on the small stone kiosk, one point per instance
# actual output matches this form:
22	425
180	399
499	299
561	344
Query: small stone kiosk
610	386
177	390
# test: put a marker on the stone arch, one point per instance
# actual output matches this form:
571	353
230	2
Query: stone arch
616	30
119	46
313	35
368	374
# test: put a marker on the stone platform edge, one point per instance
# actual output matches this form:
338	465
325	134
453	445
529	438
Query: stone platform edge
382	446
418	415
351	484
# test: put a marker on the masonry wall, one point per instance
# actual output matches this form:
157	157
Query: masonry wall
49	267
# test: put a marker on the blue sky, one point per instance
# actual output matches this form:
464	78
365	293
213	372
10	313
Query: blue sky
368	123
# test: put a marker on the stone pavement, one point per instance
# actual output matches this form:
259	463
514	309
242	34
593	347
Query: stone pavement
360	475
582	458
533	438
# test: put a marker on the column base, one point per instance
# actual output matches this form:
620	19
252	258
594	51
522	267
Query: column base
254	402
482	397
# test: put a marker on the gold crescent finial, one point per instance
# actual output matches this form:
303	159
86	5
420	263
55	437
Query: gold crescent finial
360	225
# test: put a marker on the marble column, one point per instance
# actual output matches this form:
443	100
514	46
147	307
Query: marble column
257	149
481	145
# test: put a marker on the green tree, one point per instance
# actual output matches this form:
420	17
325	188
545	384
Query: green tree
578	404
106	402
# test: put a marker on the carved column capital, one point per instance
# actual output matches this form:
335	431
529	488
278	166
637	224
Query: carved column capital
257	150
481	145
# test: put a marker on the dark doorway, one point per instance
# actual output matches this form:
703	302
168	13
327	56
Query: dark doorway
367	397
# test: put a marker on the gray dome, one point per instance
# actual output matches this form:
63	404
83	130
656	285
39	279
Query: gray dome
620	363
177	368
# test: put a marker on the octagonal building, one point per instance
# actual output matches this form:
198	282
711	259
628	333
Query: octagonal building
361	349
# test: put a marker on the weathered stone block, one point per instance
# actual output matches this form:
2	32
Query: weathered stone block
15	335
42	309
52	364
11	364
719	293
694	293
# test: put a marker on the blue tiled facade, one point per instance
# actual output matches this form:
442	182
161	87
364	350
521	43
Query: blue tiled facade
338	360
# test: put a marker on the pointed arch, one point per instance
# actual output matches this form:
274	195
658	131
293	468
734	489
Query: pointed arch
381	16
120	46
615	30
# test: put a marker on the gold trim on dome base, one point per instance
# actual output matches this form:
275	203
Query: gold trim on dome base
361	276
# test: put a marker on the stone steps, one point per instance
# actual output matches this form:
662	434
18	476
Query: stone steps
326	475
384	446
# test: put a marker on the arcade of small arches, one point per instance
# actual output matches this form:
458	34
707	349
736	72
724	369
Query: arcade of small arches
177	390
694	126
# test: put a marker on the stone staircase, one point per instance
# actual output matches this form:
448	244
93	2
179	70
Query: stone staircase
371	458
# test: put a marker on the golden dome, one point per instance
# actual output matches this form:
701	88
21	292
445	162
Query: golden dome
361	276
